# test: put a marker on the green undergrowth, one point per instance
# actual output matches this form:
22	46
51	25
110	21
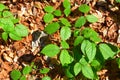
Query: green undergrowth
87	54
84	56
27	70
9	25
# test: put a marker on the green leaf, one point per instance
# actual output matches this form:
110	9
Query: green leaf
86	32
95	63
91	18
65	58
118	1
64	44
50	50
95	36
66	4
57	13
15	20
4	36
114	48
1	25
83	46
23	78
87	71
76	33
21	30
89	49
15	74
48	17
2	7
118	62
8	25
106	51
0	13
67	11
13	35
83	61
91	34
46	78
77	68
7	14
52	27
49	9
65	33
78	40
44	70
84	8
27	70
80	21
65	22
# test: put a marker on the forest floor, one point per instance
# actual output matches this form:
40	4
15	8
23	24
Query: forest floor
17	54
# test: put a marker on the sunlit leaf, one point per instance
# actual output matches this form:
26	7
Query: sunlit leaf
87	71
13	35
84	8
27	70
4	36
65	22
91	18
80	21
52	27
8	25
57	13
77	68
106	51
48	17
65	33
44	70
50	50
66	4
7	14
46	78
64	44
23	78
2	7
21	30
49	9
15	74
78	40
67	11
65	58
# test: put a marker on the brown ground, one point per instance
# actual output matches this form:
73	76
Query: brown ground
16	54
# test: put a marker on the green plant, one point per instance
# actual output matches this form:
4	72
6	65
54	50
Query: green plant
87	54
118	1
10	25
45	71
46	78
20	75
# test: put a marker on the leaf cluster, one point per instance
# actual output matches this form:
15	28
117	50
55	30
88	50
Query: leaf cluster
20	75
87	53
10	25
